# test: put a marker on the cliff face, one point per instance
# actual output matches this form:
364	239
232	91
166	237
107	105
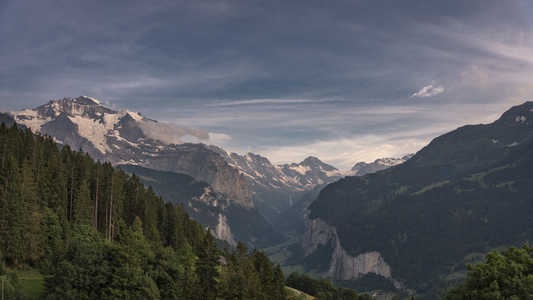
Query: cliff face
124	137
223	231
343	266
203	165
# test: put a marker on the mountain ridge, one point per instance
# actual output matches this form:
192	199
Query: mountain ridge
277	187
467	191
119	137
124	137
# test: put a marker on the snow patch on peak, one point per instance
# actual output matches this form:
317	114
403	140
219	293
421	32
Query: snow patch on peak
93	131
135	115
92	99
300	169
30	118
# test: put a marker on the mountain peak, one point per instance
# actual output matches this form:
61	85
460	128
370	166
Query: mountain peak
82	106
363	168
315	163
520	114
311	160
89	99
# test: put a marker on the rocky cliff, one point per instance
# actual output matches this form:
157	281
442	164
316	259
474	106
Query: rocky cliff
343	266
203	165
124	137
274	188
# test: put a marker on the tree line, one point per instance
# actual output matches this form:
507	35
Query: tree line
99	233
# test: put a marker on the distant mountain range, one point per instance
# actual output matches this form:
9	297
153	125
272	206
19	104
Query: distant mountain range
275	188
417	224
247	181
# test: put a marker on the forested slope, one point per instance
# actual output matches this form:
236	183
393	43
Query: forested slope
100	233
468	191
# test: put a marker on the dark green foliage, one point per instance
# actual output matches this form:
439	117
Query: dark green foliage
320	288
100	234
208	261
251	276
467	191
11	284
182	189
85	271
369	282
506	274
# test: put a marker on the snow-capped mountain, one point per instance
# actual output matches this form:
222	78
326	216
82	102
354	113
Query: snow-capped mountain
362	168
294	217
298	177
275	187
124	137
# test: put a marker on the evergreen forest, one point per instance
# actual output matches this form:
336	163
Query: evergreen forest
97	233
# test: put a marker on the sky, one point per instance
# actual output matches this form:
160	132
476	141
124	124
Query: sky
344	81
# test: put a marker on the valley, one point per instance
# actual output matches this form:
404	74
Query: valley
395	225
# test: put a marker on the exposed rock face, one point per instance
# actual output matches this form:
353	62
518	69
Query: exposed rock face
124	137
227	220
274	188
343	266
223	231
118	137
203	165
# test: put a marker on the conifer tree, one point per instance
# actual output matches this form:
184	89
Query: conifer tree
31	218
208	261
189	285
13	215
83	204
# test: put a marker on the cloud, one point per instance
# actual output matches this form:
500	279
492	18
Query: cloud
355	149
475	76
168	133
428	91
265	101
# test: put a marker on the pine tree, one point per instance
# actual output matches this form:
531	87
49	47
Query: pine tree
278	291
32	217
189	284
264	268
208	261
82	209
13	215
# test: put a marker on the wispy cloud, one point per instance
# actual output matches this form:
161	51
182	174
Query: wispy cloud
475	76
428	91
270	101
311	82
168	133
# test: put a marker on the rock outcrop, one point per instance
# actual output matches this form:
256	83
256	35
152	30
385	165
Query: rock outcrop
342	265
203	165
223	231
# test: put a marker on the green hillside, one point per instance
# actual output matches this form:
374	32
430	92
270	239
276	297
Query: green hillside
468	191
96	233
